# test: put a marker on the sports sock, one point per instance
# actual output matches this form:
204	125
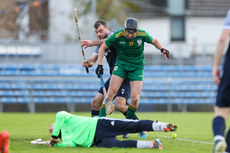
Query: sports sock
218	126
228	141
144	144
158	126
130	112
135	116
94	113
102	112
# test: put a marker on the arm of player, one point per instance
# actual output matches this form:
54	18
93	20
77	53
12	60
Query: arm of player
101	53
218	54
91	61
99	70
60	118
90	43
159	46
65	144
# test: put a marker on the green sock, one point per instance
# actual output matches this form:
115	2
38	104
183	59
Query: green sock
130	112
102	112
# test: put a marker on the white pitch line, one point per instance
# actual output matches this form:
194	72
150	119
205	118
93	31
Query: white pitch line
194	141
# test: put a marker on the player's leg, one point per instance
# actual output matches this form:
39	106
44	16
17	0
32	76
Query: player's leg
122	97
221	112
114	86
136	79
108	127
121	103
96	104
102	112
4	142
218	125
136	87
110	142
97	101
122	106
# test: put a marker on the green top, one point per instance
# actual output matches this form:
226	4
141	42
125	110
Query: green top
75	130
130	51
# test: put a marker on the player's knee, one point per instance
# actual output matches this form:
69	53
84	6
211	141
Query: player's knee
96	105
118	106
134	101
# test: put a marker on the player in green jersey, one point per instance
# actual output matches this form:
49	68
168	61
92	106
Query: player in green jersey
76	131
129	63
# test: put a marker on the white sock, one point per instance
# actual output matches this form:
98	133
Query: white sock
158	126
218	137
144	144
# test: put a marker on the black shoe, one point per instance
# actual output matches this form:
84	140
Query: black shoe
125	136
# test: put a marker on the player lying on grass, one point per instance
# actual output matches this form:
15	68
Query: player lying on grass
76	131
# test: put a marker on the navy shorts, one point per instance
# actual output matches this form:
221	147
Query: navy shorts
124	90
223	93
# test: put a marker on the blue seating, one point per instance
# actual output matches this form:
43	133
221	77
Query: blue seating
5	86
9	100
41	100
7	93
161	85
68	93
57	100
38	93
20	93
23	100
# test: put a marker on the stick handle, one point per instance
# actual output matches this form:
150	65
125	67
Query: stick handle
79	37
39	142
103	87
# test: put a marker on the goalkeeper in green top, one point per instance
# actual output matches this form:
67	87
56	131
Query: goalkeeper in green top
129	63
76	131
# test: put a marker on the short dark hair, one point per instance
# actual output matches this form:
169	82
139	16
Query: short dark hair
100	22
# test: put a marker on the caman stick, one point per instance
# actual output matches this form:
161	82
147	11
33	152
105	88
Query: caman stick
79	37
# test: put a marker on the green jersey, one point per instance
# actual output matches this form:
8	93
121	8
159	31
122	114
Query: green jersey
75	130
130	51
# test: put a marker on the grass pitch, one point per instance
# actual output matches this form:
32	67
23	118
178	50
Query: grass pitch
194	133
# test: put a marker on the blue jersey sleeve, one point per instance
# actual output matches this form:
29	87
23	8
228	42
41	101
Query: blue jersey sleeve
227	21
96	50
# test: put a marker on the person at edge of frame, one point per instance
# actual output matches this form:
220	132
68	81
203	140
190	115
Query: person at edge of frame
222	105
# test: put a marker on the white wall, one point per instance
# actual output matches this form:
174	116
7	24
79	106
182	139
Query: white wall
158	28
204	30
201	35
61	26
